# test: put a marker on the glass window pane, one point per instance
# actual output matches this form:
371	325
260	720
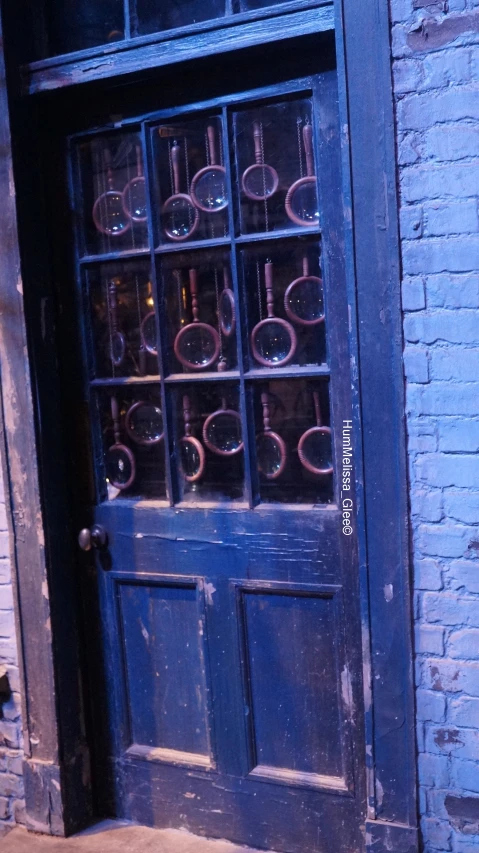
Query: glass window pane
275	166
191	181
283	294
209	442
294	453
123	317
79	24
133	442
114	194
156	15
200	312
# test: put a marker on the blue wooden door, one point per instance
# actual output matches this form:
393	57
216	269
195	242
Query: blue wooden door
223	609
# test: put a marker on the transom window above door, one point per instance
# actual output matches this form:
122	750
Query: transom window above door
204	288
74	25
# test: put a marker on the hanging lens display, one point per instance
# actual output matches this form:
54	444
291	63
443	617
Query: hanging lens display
144	423
259	181
304	299
302	197
222	431
196	345
273	340
180	217
108	212
208	187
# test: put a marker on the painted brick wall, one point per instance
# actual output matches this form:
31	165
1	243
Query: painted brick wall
436	73
12	807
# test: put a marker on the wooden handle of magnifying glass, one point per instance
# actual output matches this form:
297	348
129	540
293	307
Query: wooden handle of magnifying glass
212	144
226	277
305	266
265	404
317	409
194	295
139	162
308	149
175	165
187	414
268	279
109	173
258	155
113	306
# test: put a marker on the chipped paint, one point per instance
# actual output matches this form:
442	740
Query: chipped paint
388	592
209	592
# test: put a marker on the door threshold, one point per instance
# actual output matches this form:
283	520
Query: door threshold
116	836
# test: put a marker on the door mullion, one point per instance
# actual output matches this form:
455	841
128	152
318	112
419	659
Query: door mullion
250	488
167	418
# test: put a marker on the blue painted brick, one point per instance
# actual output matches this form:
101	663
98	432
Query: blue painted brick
465	775
447	67
448	740
427	505
443	540
408	74
464	712
438	254
464	644
441	219
436	834
450	676
456	327
455	363
442	469
464	574
462	505
450	609
448	143
433	770
410	220
431	706
413	295
430	640
416	364
421	111
459	434
439	181
427	574
446	290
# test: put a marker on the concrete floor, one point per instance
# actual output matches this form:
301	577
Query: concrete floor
116	837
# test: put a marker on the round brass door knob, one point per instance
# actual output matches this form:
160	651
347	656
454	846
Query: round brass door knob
92	537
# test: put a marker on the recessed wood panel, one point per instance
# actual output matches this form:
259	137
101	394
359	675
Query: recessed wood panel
292	679
164	668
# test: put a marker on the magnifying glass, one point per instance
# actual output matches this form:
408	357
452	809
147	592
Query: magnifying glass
119	460
144	423
117	339
192	452
271	451
301	201
222	431
134	194
196	345
180	216
148	333
226	306
273	340
108	212
208	187
315	446
259	181
304	299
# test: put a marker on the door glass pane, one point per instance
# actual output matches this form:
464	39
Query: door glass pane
200	313
132	427
283	294
209	442
123	316
293	441
191	181
154	15
276	169
79	24
114	194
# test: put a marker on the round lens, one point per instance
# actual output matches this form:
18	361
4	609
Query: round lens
210	190
148	332
305	301
260	182
190	458
226	313
224	433
270	455
119	467
304	203
317	450
145	424
135	199
117	348
273	342
110	215
197	345
178	217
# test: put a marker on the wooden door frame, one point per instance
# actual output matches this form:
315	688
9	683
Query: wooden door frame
56	766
